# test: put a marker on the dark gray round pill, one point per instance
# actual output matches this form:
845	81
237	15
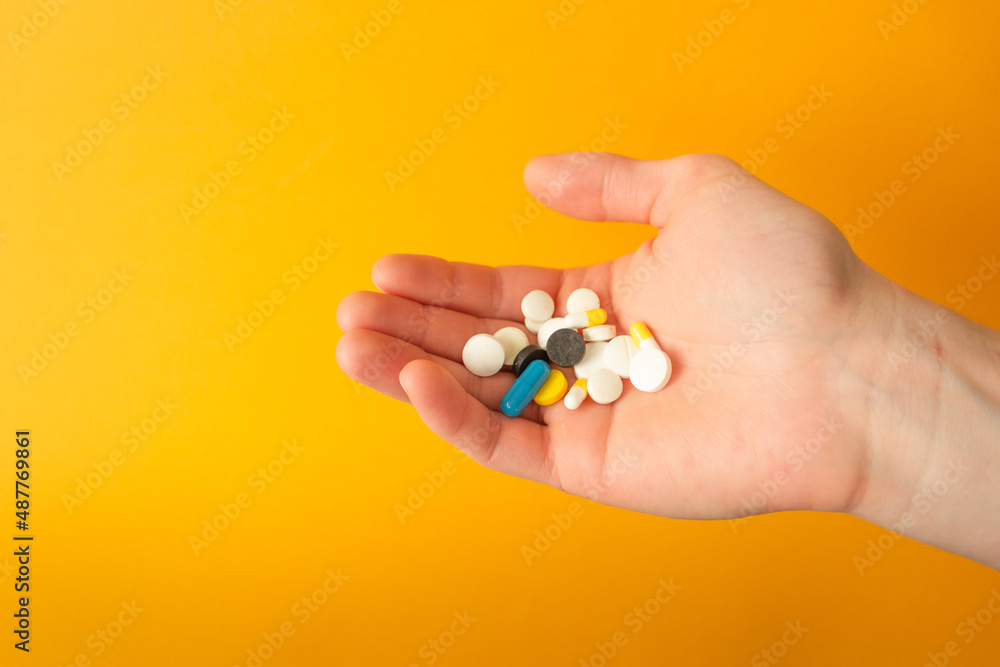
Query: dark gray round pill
565	347
526	356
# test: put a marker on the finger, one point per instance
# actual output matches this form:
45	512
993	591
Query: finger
510	445
375	360
444	332
605	186
484	291
434	329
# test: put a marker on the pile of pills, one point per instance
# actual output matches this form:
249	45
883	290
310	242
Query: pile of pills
581	340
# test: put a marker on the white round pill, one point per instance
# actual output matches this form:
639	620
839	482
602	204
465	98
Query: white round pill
513	340
604	386
582	300
650	370
593	360
549	328
533	325
538	306
618	354
483	355
599	332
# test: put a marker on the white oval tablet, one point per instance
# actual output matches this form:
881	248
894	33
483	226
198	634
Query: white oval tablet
599	332
618	354
593	360
483	355
604	386
550	328
650	370
538	306
532	325
513	340
575	397
582	300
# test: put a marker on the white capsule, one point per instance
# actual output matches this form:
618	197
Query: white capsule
643	336
548	329
538	306
533	325
576	395
599	332
593	360
582	300
604	386
513	340
587	319
483	355
650	370
618	354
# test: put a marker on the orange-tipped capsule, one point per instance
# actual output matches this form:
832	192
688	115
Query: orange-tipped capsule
643	337
576	395
589	318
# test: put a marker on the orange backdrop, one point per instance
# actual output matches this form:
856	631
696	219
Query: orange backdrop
188	190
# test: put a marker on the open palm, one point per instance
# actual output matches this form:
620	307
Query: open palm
754	296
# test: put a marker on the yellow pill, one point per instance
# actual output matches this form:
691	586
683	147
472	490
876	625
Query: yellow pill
553	389
643	337
587	319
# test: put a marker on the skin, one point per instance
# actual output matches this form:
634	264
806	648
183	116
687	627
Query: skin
802	379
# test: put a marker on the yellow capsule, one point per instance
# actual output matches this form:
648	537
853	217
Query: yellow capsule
643	337
586	319
553	389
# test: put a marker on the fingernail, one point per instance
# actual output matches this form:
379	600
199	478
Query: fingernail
376	272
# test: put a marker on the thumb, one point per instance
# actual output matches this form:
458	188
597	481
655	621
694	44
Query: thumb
606	186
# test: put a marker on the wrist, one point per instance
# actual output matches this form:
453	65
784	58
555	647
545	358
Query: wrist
927	397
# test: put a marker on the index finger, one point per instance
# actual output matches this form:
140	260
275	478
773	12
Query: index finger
475	289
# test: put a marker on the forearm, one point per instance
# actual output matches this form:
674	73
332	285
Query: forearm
932	384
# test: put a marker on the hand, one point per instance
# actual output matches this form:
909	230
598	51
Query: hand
749	292
778	333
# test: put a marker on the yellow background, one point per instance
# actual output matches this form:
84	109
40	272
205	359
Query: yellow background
225	71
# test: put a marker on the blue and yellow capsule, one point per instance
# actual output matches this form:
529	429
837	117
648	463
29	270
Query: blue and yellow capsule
524	388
